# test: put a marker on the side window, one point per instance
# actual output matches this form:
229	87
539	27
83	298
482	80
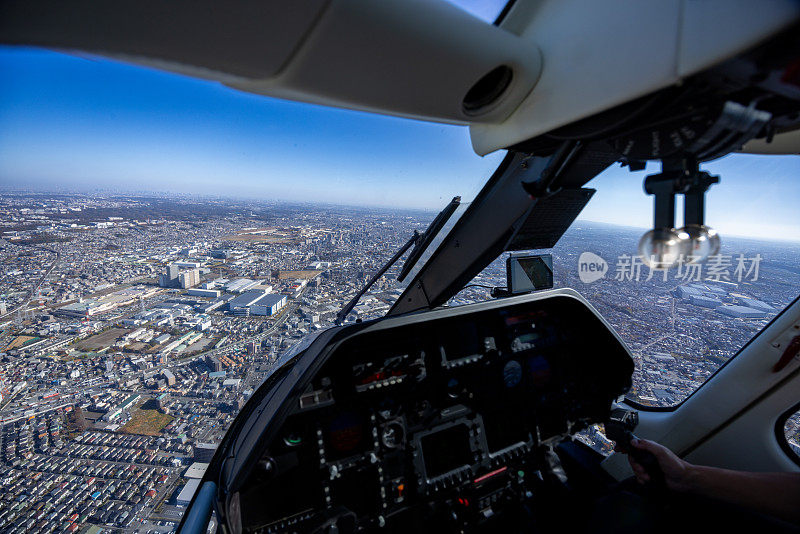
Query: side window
791	431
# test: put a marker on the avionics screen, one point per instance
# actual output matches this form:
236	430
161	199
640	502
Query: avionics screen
463	342
529	273
346	435
290	500
503	431
358	490
446	450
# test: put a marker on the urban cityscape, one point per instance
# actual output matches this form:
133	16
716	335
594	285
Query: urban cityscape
133	328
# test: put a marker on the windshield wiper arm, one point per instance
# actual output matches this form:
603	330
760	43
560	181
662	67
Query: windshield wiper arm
427	236
420	242
340	317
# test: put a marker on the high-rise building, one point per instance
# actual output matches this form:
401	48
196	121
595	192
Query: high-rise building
189	278
171	278
214	363
169	377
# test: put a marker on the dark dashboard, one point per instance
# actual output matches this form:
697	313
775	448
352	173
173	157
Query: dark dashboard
447	422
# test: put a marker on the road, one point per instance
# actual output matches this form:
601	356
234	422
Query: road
163	494
38	285
672	318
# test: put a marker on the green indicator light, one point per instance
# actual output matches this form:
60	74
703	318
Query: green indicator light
520	473
293	440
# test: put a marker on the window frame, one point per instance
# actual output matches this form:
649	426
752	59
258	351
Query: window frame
643	408
780	433
504	12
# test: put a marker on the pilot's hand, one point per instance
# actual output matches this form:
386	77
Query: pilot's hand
677	472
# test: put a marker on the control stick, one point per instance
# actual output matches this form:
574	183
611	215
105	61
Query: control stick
620	428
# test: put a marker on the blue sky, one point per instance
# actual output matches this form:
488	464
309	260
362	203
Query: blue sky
74	123
487	10
81	123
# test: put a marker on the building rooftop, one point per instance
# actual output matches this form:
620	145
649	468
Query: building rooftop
196	470
188	491
247	298
271	299
741	311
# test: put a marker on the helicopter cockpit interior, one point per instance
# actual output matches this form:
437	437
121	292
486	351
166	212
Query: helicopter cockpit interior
441	421
463	419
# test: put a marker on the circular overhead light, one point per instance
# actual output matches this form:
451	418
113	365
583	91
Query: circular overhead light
703	242
663	248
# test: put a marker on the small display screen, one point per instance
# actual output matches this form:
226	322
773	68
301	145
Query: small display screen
346	435
529	273
539	369
462	343
358	490
446	450
503	431
532	330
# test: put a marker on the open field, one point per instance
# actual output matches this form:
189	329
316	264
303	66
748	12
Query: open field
146	421
101	340
20	341
200	344
76	356
298	275
269	240
262	235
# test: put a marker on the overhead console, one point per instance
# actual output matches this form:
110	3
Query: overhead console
446	419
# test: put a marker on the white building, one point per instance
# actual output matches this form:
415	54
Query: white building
188	491
268	304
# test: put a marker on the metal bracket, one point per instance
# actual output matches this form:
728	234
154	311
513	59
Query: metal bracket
684	177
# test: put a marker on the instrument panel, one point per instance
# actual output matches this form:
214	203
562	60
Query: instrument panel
445	423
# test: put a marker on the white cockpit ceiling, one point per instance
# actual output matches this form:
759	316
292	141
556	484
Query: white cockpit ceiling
562	60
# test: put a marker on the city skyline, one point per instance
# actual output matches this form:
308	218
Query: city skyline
166	195
71	123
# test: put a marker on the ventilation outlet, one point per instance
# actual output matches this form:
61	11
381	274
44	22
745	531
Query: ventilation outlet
487	90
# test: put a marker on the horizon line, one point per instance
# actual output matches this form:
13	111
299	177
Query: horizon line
289	202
